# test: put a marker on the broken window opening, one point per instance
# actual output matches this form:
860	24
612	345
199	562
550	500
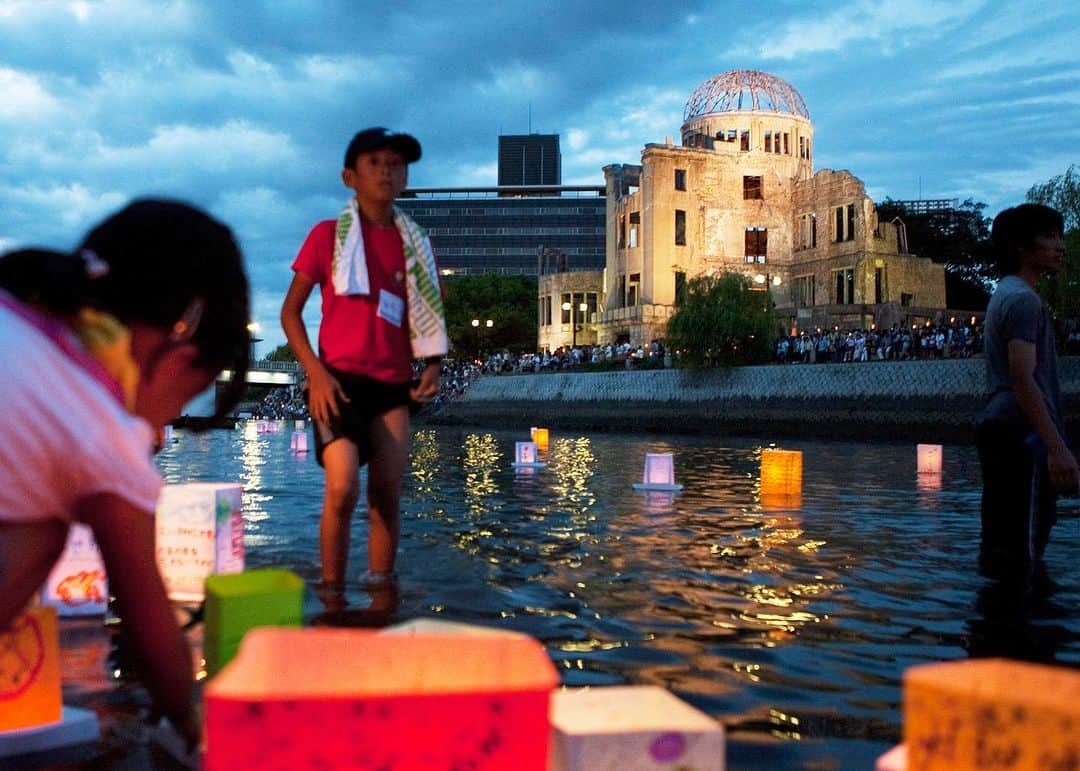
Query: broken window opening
680	227
751	188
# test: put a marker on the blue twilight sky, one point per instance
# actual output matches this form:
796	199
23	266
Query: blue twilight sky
245	107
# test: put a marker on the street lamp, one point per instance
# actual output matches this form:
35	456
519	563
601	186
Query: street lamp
578	311
479	335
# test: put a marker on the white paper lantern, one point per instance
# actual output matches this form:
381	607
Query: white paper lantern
525	456
200	531
659	473
77	584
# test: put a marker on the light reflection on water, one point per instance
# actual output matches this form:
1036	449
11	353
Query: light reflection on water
787	618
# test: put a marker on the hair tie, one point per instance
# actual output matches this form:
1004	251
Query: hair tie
95	266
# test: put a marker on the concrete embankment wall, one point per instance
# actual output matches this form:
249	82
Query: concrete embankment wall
910	400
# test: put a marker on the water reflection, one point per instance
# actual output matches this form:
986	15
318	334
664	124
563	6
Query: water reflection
789	620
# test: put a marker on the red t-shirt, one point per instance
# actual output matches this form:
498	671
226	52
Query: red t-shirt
352	335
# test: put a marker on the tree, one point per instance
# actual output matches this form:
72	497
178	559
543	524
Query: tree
959	238
1062	192
723	320
509	301
281	353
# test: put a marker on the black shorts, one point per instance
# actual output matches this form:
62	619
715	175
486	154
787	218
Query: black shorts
368	398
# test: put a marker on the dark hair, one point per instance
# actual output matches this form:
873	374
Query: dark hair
160	255
1017	227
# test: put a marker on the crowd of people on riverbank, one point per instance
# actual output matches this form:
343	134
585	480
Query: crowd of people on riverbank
943	341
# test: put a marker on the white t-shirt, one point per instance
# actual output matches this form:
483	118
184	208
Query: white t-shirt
63	435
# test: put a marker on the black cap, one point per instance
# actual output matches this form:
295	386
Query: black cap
375	138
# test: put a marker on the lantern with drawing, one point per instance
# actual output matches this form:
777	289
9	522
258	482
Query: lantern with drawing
200	531
525	456
77	585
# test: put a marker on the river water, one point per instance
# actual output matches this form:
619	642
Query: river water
790	621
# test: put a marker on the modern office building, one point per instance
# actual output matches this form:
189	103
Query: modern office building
508	230
529	159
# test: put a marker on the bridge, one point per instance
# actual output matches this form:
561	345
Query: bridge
269	373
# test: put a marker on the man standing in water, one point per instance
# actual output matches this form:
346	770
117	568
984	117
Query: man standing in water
1023	450
381	309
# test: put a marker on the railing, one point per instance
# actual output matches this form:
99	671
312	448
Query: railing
267	365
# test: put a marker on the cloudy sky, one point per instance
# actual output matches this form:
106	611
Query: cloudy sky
245	107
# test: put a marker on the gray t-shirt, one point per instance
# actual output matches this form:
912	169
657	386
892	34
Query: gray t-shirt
1016	312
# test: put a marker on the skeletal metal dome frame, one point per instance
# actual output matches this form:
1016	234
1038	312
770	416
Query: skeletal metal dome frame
741	90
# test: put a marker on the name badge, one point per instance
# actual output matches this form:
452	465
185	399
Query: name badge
391	307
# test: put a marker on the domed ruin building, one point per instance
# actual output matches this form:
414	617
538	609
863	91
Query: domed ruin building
740	194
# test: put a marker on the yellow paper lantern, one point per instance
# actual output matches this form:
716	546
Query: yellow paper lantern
541	436
781	478
30	671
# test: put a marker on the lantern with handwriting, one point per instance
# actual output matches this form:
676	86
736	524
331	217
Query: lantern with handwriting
659	473
77	585
542	437
929	458
372	700
200	531
781	478
525	456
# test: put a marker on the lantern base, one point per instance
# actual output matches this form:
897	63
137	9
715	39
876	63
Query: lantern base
893	760
657	486
536	464
76	726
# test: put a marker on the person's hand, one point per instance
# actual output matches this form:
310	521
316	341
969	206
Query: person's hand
428	387
324	395
1064	472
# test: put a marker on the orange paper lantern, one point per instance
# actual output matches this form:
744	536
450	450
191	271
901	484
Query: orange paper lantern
781	478
30	671
349	698
929	458
542	437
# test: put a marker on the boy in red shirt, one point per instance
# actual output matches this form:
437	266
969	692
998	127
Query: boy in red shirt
381	309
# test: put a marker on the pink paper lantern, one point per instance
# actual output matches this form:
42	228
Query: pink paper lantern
319	698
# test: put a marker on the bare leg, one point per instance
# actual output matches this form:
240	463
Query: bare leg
390	454
27	554
341	464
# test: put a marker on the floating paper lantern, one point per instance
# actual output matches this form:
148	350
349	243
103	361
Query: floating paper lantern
239	602
542	437
30	671
525	456
200	531
298	442
168	438
638	727
929	458
77	585
299	425
659	473
991	713
373	700
781	478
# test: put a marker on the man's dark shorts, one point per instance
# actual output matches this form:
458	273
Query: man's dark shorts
368	399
